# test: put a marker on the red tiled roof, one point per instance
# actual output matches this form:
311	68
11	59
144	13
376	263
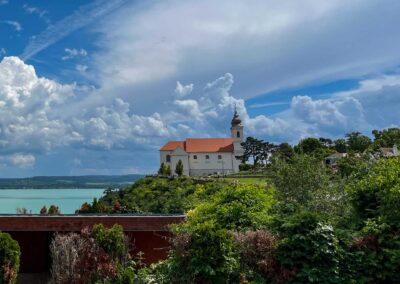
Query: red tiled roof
172	145
201	145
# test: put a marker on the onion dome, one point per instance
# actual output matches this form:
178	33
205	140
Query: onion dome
236	119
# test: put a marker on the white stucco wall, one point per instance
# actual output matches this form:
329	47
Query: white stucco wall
201	166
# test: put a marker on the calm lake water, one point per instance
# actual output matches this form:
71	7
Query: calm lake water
68	200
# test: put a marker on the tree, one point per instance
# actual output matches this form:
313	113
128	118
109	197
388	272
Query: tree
179	168
257	150
285	151
357	142
43	211
163	169
340	145
387	137
303	183
309	146
251	149
168	171
9	259
54	210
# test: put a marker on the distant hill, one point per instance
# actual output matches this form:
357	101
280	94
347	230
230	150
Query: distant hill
91	181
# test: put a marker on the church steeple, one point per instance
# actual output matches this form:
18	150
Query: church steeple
236	119
236	127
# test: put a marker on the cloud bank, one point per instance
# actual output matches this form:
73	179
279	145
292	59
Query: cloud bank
34	120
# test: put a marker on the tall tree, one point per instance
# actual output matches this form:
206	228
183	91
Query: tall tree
387	137
309	145
357	142
340	145
179	168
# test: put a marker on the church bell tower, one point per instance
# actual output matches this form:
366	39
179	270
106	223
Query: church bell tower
236	128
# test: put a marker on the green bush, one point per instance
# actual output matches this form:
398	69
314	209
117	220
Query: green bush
235	207
377	193
205	254
9	259
111	240
309	248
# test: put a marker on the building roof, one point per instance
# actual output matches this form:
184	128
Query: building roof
172	145
201	145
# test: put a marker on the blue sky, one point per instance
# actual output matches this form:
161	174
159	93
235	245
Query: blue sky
96	87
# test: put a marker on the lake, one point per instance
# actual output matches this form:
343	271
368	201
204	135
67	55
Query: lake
68	200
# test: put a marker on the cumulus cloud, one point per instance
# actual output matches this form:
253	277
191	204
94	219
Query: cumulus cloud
73	52
34	118
183	90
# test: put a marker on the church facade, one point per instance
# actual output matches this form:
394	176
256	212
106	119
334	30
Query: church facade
205	156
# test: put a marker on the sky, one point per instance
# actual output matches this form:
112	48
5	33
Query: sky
97	87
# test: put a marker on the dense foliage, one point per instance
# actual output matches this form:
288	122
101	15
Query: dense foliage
308	223
9	259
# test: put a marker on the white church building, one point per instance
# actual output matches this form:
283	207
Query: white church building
205	156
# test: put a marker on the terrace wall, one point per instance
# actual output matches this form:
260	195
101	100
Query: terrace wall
148	234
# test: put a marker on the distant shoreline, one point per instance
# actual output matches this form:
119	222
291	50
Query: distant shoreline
69	182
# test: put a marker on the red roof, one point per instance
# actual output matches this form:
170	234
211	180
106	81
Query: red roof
201	145
172	145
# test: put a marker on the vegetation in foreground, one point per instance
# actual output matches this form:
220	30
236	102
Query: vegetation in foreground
309	223
9	259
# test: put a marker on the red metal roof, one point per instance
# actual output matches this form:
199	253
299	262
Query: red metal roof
201	145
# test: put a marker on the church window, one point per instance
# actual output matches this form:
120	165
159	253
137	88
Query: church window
219	157
238	134
168	158
207	157
195	157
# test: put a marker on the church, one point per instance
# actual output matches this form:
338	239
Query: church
205	156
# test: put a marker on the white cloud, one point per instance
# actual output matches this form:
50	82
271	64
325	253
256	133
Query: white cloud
35	10
146	48
22	160
81	68
183	90
16	25
73	52
35	118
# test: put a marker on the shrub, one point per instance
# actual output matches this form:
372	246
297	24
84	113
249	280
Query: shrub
310	248
96	256
54	210
9	259
205	254
377	193
258	257
111	240
235	207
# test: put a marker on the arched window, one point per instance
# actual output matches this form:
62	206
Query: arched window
238	134
207	157
168	158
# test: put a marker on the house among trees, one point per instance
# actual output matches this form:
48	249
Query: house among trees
389	152
205	156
